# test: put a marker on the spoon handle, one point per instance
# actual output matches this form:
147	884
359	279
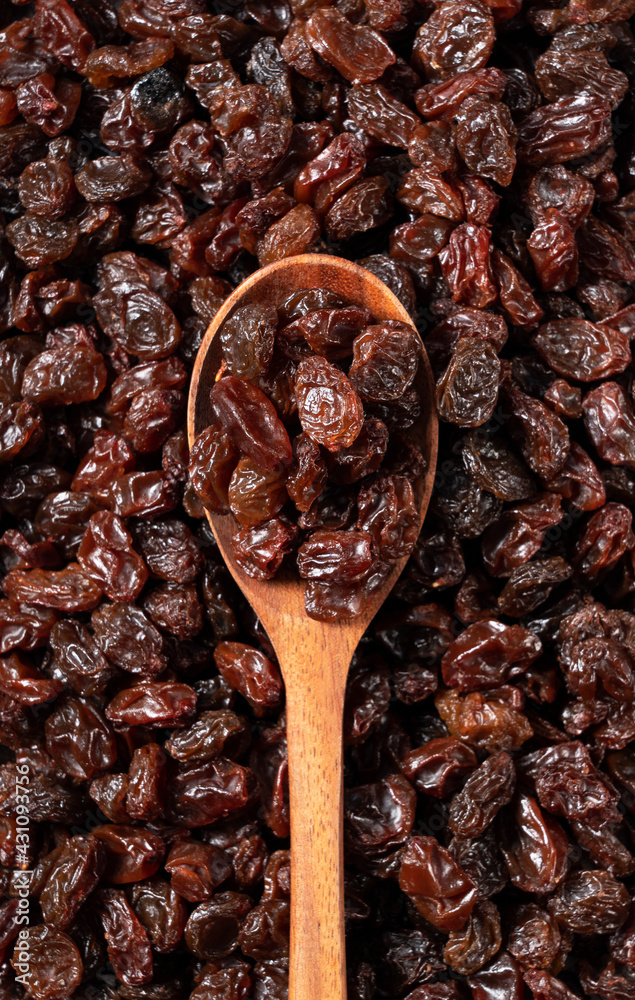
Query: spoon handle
315	703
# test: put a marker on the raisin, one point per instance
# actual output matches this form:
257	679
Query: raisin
469	949
519	534
26	685
329	407
570	73
80	740
489	788
488	723
52	104
542	436
575	903
456	38
175	609
558	132
108	458
202	793
251	422
432	145
330	332
579	481
161	912
375	109
247	339
213	928
417	243
55	965
439	767
251	673
47	188
467	392
106	65
436	100
534	936
70	589
535	849
134	314
152	417
487	653
39	241
605	251
438	886
77	658
259	551
485	137
558	188
444	336
209	735
147	774
81	863
255	495
63	33
359	53
196	870
554	252
385	359
213	459
366	205
336	556
607	537
112	178
128	639
128	945
466	266
426	191
363	457
610	423
170	550
502	974
295	233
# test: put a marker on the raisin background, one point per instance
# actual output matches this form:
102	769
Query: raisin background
478	157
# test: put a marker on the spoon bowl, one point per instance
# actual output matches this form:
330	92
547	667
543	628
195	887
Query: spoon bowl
314	656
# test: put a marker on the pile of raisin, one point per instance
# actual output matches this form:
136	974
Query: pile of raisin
315	472
477	156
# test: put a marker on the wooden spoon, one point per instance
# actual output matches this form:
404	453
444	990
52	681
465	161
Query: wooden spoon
314	656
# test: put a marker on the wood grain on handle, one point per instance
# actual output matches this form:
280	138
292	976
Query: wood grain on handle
314	658
317	963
